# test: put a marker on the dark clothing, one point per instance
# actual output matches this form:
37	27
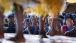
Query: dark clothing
25	30
11	27
71	33
74	24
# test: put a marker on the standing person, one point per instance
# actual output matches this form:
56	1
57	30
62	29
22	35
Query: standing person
33	29
69	24
10	25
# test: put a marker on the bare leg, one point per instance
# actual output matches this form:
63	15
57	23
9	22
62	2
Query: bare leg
41	27
19	18
53	30
1	23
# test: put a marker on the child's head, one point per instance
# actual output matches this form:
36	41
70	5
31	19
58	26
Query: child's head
26	22
11	18
33	19
69	19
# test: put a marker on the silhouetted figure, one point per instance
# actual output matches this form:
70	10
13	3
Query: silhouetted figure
11	25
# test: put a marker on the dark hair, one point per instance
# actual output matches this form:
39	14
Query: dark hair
11	16
61	16
75	12
69	16
33	16
26	20
60	20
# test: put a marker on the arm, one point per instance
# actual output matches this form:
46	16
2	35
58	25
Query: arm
62	30
58	31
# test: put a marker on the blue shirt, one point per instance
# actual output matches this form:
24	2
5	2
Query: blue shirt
68	29
32	29
47	29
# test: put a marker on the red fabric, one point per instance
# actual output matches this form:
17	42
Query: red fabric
64	29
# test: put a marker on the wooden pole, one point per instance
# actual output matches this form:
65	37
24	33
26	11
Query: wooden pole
1	22
41	27
19	18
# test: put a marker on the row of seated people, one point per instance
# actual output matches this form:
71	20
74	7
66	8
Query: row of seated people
31	25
